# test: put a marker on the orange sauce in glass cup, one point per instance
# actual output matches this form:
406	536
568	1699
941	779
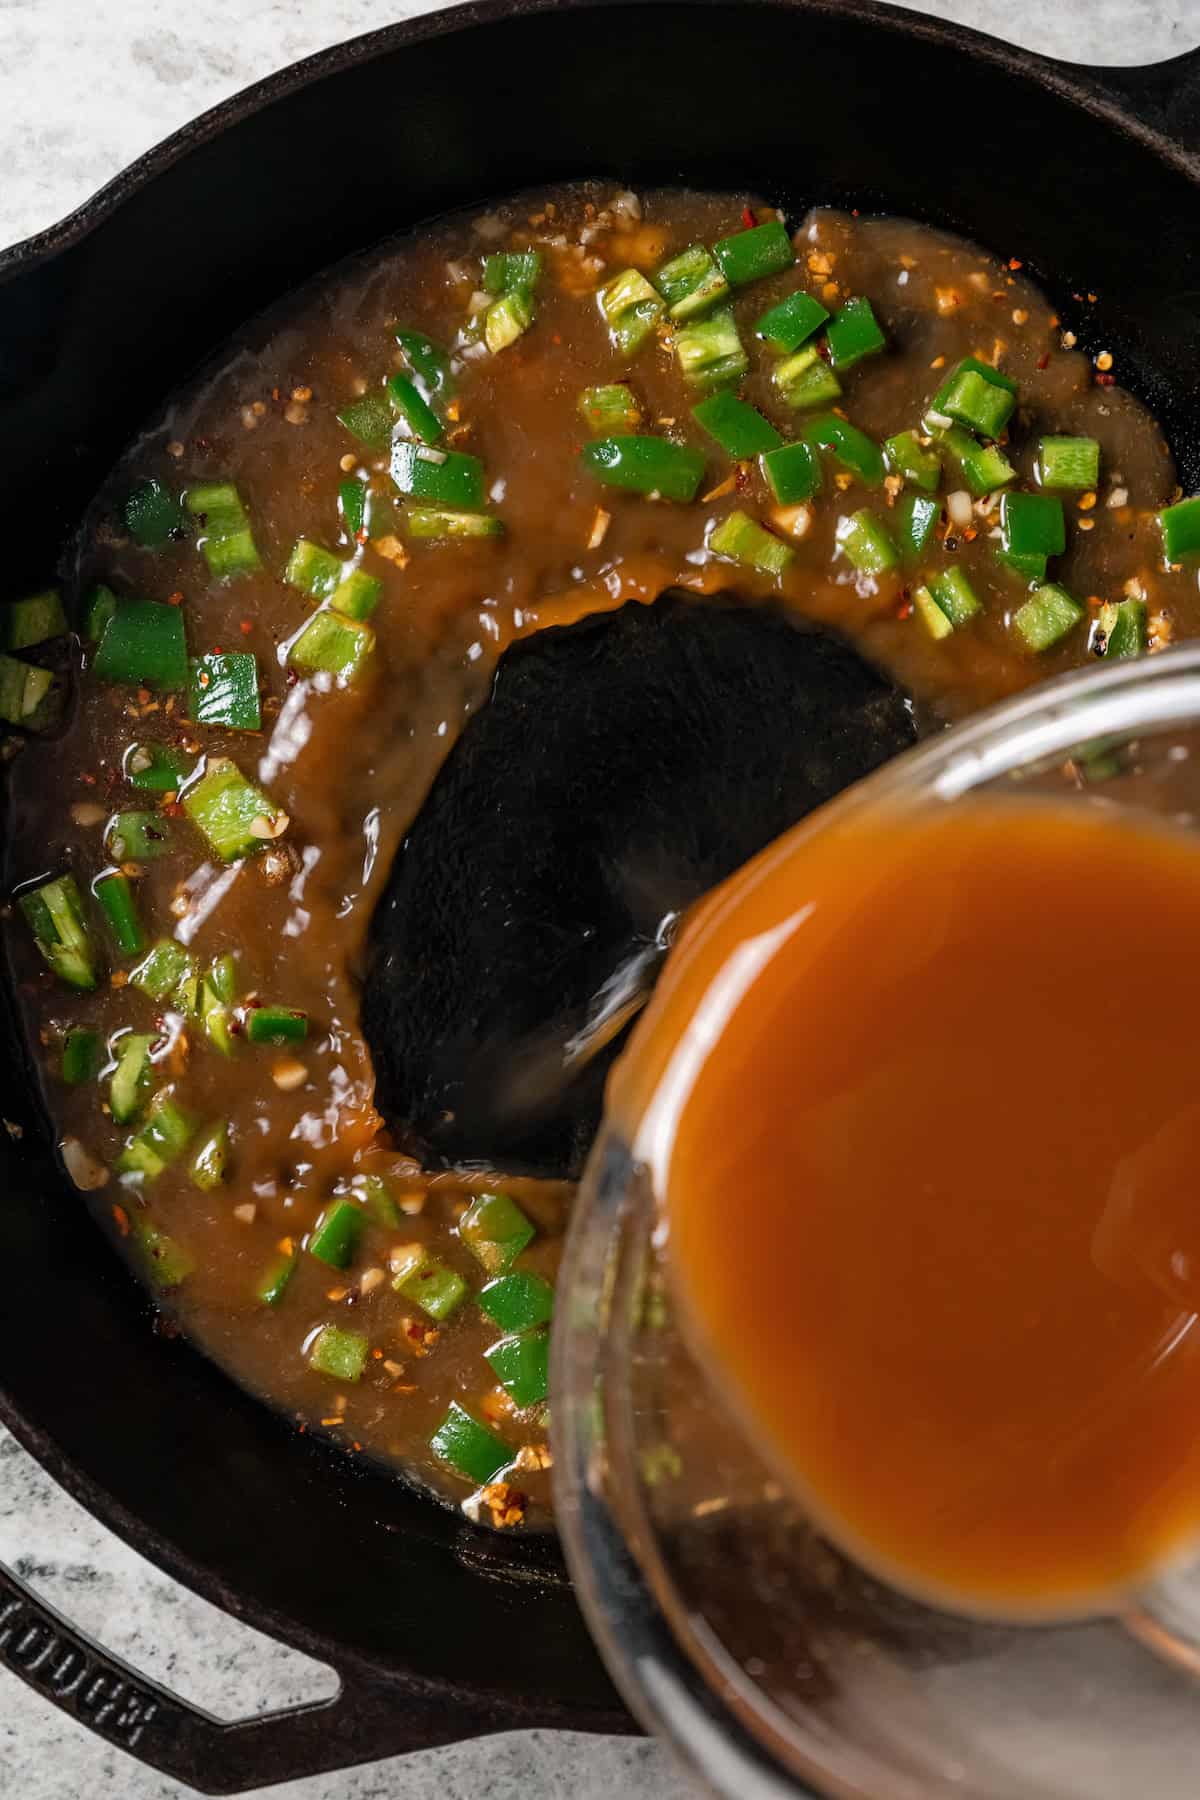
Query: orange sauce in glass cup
921	1095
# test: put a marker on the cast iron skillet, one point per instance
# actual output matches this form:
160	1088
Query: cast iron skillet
1092	179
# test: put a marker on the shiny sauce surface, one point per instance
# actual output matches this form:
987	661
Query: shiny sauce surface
350	765
930	1192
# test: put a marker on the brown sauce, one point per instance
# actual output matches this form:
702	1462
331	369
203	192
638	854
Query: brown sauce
350	767
929	1198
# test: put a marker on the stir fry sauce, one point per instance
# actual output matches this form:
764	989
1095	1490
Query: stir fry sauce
292	594
957	1299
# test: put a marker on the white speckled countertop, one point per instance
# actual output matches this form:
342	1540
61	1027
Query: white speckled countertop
85	88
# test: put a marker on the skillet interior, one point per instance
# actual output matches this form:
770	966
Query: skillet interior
93	333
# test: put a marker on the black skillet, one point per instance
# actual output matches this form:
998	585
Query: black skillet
1091	178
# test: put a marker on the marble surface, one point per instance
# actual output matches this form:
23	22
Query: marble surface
84	88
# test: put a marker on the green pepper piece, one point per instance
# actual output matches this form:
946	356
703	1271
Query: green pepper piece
852	447
518	1301
276	1025
162	969
441	477
429	363
630	308
158	768
495	1231
338	1353
805	379
976	402
1047	616
315	571
469	1448
143	645
750	255
931	614
214	999
163	1138
416	415
905	455
1032	525
224	690
335	1236
1121	628
54	913
955	596
1068	462
521	1364
508	271
507	319
610	409
210	1159
332	644
29	697
793	473
1031	566
984	468
429	1283
1180	527
854	332
690	283
236	817
786	326
352	507
225	539
137	836
913	525
99	608
971	365
439	523
738	427
132	1076
114	894
81	1054
645	465
153	515
709	350
742	539
865	543
370	419
166	1262
275	1278
24	623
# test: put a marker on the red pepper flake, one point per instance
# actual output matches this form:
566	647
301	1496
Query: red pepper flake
246	627
1043	361
854	212
1105	380
748	219
904	610
1015	263
360	536
175	599
122	1219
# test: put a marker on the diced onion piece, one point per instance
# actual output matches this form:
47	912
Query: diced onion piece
959	508
86	1171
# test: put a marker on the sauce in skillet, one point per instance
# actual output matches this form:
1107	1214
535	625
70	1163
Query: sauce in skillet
346	764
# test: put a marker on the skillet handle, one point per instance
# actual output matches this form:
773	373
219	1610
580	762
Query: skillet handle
1164	95
365	1719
